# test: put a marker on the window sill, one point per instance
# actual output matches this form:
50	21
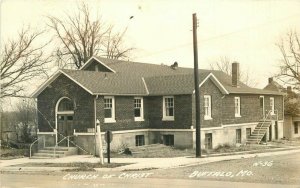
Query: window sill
208	118
237	116
139	119
168	119
109	121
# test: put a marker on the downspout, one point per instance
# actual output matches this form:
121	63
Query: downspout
95	123
282	109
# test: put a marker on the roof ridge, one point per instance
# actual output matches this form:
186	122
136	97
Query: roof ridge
152	64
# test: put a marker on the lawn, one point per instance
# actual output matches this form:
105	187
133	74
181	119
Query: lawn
12	153
162	151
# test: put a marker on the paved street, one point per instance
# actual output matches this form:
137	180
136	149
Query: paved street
281	169
61	181
265	171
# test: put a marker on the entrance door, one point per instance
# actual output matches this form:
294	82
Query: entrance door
208	140
262	106
276	130
64	118
270	133
65	128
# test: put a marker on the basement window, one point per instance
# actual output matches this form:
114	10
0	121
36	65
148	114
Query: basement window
139	140
168	140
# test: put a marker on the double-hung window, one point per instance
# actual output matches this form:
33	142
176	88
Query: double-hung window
138	109
168	108
272	105
237	107
109	109
207	107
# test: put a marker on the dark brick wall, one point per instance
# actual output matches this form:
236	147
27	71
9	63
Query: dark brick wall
250	108
124	106
222	108
182	112
209	88
64	87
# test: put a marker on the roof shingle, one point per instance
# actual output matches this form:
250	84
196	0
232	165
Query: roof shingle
159	79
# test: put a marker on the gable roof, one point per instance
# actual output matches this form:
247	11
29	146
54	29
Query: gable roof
132	78
274	86
95	59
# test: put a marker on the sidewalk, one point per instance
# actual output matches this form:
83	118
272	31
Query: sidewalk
136	163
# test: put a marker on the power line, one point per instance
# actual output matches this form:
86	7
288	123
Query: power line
219	36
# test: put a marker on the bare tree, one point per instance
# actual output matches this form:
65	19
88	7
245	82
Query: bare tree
25	114
21	60
224	64
80	37
289	47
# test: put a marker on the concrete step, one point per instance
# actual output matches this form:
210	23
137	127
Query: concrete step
257	135
50	155
260	128
51	151
39	157
48	152
250	139
57	148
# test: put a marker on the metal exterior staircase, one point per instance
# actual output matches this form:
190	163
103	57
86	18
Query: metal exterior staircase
262	127
259	132
55	152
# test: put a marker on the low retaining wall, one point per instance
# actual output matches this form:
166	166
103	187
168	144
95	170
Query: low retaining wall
88	143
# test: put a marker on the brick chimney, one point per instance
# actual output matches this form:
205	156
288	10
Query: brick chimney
270	80
235	74
175	65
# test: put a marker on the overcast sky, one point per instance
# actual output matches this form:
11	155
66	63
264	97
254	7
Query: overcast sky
245	31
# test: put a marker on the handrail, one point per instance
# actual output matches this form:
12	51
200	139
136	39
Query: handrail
265	119
33	144
56	145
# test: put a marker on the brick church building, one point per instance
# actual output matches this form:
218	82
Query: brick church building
147	104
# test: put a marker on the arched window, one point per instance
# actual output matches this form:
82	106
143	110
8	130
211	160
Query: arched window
65	105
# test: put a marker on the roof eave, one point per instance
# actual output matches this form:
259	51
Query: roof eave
216	82
45	84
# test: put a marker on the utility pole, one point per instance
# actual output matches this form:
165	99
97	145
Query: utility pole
197	92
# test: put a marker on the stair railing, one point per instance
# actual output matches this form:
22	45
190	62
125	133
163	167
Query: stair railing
56	145
265	119
30	148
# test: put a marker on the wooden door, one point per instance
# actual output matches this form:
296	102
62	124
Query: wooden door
65	128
